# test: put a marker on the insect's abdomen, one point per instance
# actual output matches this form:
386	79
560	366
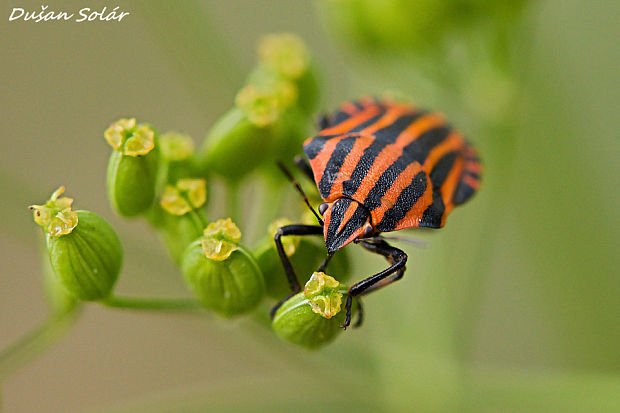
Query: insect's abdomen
407	166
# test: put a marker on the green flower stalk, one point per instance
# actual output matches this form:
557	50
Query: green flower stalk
313	317
84	251
221	272
132	169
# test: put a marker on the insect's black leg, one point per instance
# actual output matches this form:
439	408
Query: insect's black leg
360	314
325	262
293	281
395	257
377	248
302	164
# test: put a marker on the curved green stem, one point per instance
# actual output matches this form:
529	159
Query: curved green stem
198	218
157	304
33	343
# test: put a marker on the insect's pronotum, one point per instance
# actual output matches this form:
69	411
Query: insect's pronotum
382	166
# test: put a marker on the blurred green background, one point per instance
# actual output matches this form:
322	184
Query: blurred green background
514	306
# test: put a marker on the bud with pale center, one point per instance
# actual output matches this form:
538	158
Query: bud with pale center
179	216
221	272
177	157
132	168
313	317
84	251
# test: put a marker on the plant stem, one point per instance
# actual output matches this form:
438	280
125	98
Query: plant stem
35	342
232	205
157	304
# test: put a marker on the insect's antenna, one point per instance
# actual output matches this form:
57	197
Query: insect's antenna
301	191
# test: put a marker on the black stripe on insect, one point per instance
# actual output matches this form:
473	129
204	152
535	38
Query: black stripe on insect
337	235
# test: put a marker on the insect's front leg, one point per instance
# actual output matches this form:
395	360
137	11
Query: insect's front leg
397	259
293	281
392	255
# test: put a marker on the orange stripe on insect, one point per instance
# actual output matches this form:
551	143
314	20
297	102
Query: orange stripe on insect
356	153
391	152
387	119
453	142
471	181
348	166
391	195
473	167
319	163
355	120
449	186
349	108
414	215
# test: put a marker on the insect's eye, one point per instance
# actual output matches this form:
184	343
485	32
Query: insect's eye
323	208
368	231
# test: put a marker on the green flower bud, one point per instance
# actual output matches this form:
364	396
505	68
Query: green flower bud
58	298
263	105
176	147
179	217
177	156
222	274
284	53
235	146
285	56
313	317
132	169
306	255
85	253
185	196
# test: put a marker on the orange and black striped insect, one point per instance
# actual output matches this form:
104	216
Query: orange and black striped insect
382	166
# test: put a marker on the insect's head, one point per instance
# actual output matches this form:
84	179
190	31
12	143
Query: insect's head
345	220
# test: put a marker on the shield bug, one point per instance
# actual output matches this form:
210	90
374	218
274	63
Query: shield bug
381	166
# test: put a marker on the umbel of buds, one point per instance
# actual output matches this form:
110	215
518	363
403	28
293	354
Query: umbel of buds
132	169
84	251
222	273
313	317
